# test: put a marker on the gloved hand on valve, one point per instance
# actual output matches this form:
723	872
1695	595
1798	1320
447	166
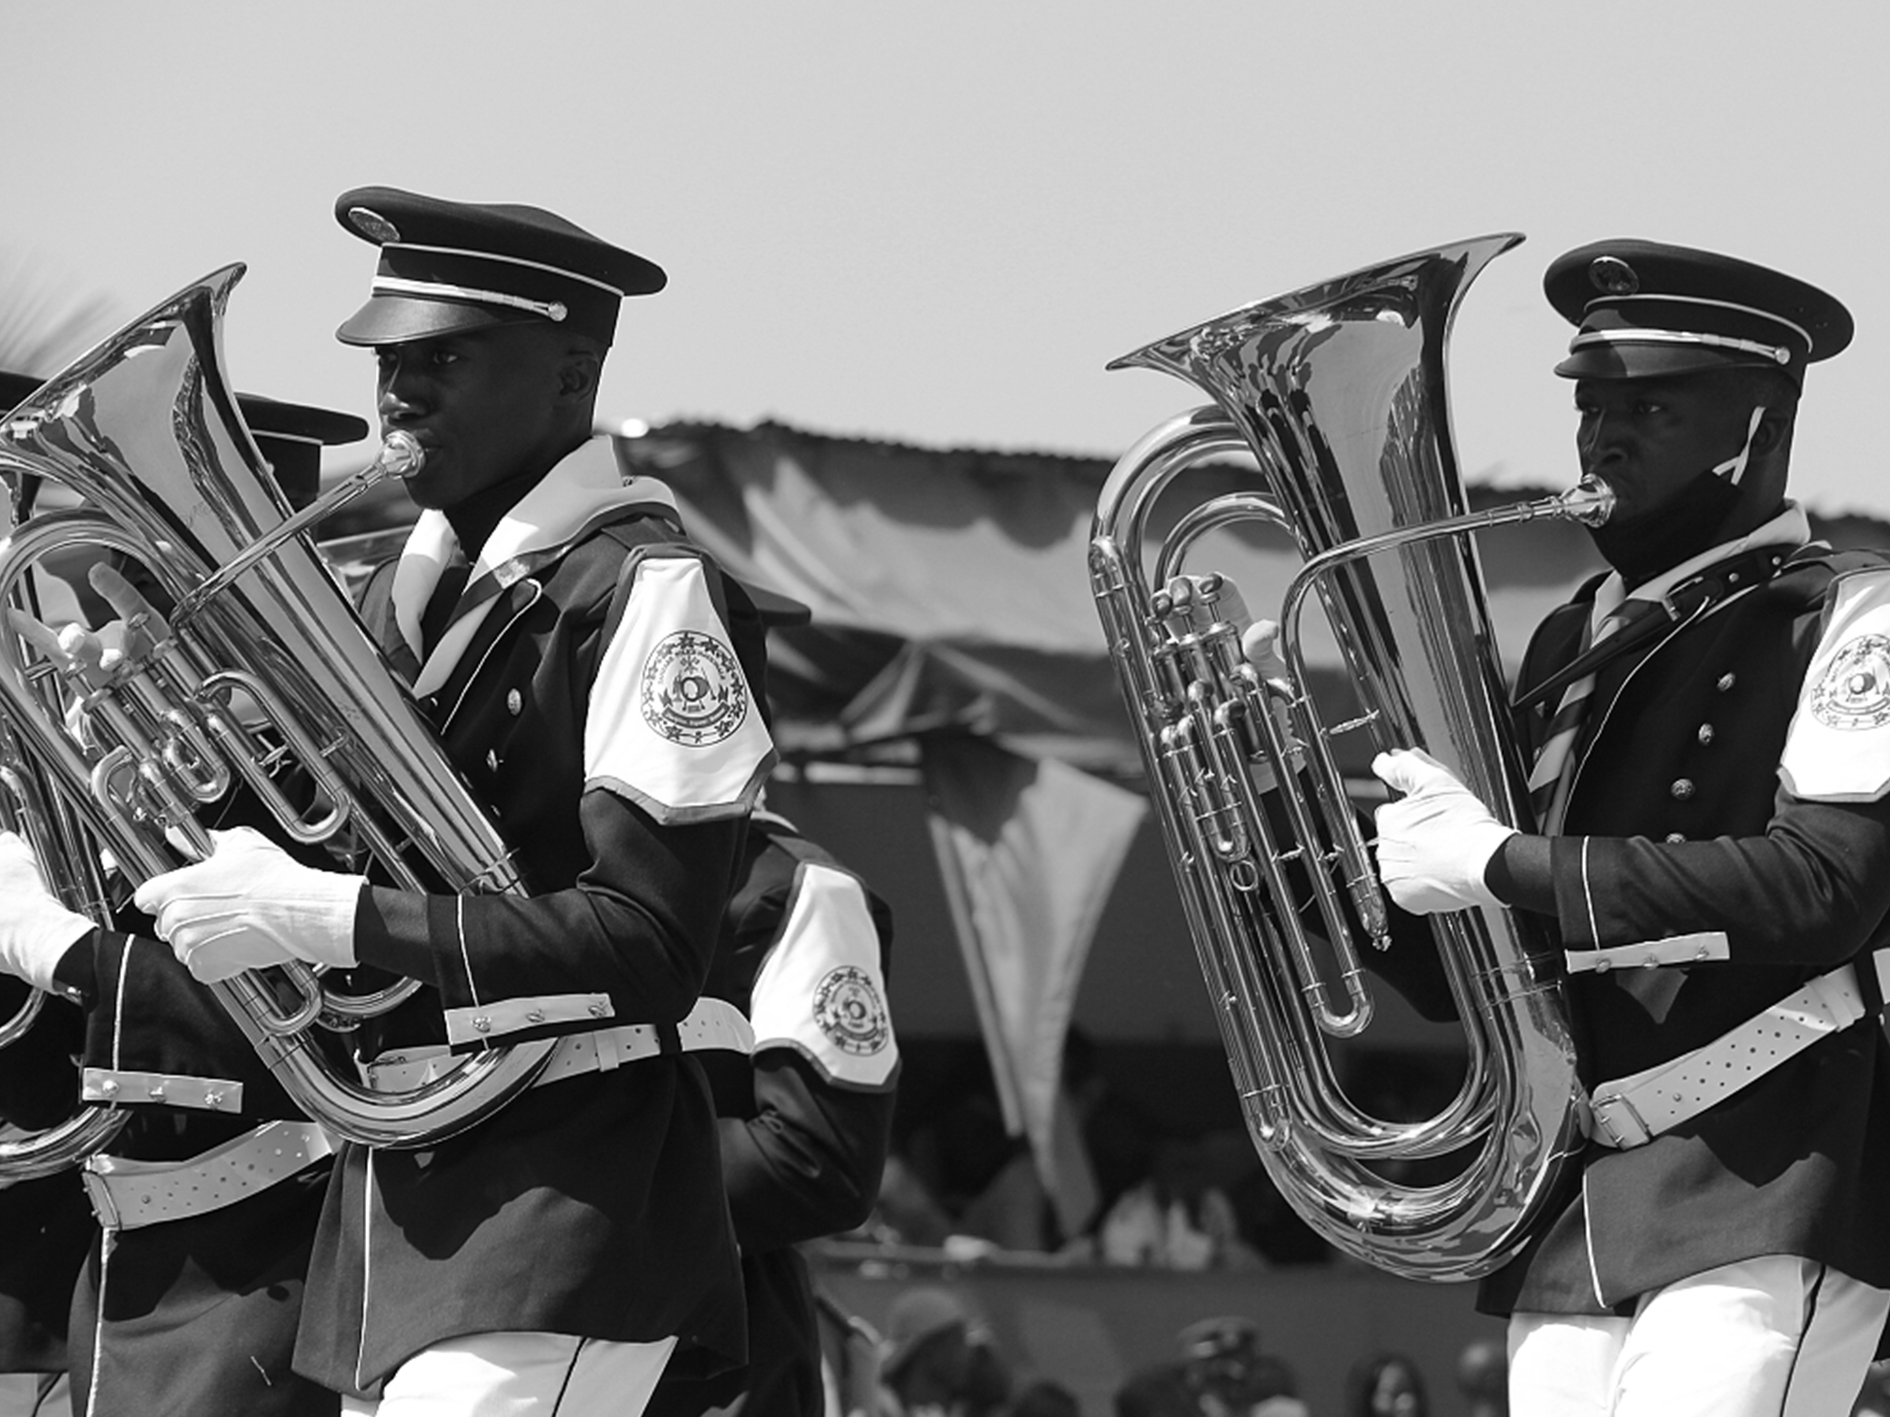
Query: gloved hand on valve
35	929
1260	644
249	905
1435	842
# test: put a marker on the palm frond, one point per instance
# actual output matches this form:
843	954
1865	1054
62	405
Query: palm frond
46	318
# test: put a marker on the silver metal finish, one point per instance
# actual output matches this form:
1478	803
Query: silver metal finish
48	829
146	431
1338	391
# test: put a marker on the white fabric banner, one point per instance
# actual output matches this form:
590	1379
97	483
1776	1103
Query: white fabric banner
1029	851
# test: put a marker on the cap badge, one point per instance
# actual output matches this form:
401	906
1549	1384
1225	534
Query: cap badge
373	225
1613	276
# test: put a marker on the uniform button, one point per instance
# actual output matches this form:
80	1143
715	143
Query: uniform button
535	1016
1706	733
1675	838
1682	788
492	760
514	701
1725	682
483	1025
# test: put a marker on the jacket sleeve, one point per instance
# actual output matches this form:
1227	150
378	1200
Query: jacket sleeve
629	943
1813	890
807	945
808	1163
148	1018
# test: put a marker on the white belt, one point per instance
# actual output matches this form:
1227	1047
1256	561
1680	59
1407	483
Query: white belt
713	1023
1632	1111
126	1194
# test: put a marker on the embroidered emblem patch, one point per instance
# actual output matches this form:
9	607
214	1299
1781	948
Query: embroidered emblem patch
847	1007
1855	690
693	691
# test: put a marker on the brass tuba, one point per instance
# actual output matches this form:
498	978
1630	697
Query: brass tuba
1338	391
146	431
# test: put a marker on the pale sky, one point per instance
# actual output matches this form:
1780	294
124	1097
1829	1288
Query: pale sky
936	224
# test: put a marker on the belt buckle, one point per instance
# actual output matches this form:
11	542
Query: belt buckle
1615	1122
98	1191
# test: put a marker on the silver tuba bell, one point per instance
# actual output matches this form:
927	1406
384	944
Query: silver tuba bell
1338	391
146	431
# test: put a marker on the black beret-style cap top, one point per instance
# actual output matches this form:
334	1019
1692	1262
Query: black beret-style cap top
292	436
300	423
777	611
1645	309
450	266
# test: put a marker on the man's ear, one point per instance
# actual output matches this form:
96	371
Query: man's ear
1774	430
578	373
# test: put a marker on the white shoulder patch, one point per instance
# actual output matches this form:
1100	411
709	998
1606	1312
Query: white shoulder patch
820	990
1838	747
672	723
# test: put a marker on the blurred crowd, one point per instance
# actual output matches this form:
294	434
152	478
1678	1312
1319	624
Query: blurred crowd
936	1358
1152	1186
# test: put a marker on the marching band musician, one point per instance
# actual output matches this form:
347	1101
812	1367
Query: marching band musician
596	679
46	1223
188	1297
805	1125
1711	728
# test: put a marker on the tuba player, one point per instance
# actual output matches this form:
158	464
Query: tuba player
1710	723
596	679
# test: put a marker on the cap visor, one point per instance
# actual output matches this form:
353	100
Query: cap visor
395	319
777	610
1653	361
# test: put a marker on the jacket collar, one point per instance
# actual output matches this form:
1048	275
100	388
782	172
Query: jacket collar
1791	527
584	490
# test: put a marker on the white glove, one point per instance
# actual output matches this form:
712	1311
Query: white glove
251	904
1435	843
35	929
1260	644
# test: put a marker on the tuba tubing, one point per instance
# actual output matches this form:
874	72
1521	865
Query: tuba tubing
1337	392
146	431
25	810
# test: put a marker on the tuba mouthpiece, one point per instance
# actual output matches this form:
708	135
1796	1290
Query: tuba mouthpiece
1590	502
401	455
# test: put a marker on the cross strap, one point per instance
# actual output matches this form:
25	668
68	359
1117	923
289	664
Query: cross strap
1691	597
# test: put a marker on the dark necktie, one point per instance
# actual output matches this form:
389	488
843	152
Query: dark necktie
1629	623
439	611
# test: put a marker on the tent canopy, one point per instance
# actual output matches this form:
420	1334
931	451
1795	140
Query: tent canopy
950	588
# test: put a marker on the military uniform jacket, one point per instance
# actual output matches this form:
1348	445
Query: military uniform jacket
1678	822
198	1313
804	1126
592	1205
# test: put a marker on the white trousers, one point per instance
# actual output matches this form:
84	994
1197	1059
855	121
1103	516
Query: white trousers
35	1395
521	1375
1776	1336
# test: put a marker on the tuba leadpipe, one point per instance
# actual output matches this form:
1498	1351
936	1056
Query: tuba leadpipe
146	431
1337	391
